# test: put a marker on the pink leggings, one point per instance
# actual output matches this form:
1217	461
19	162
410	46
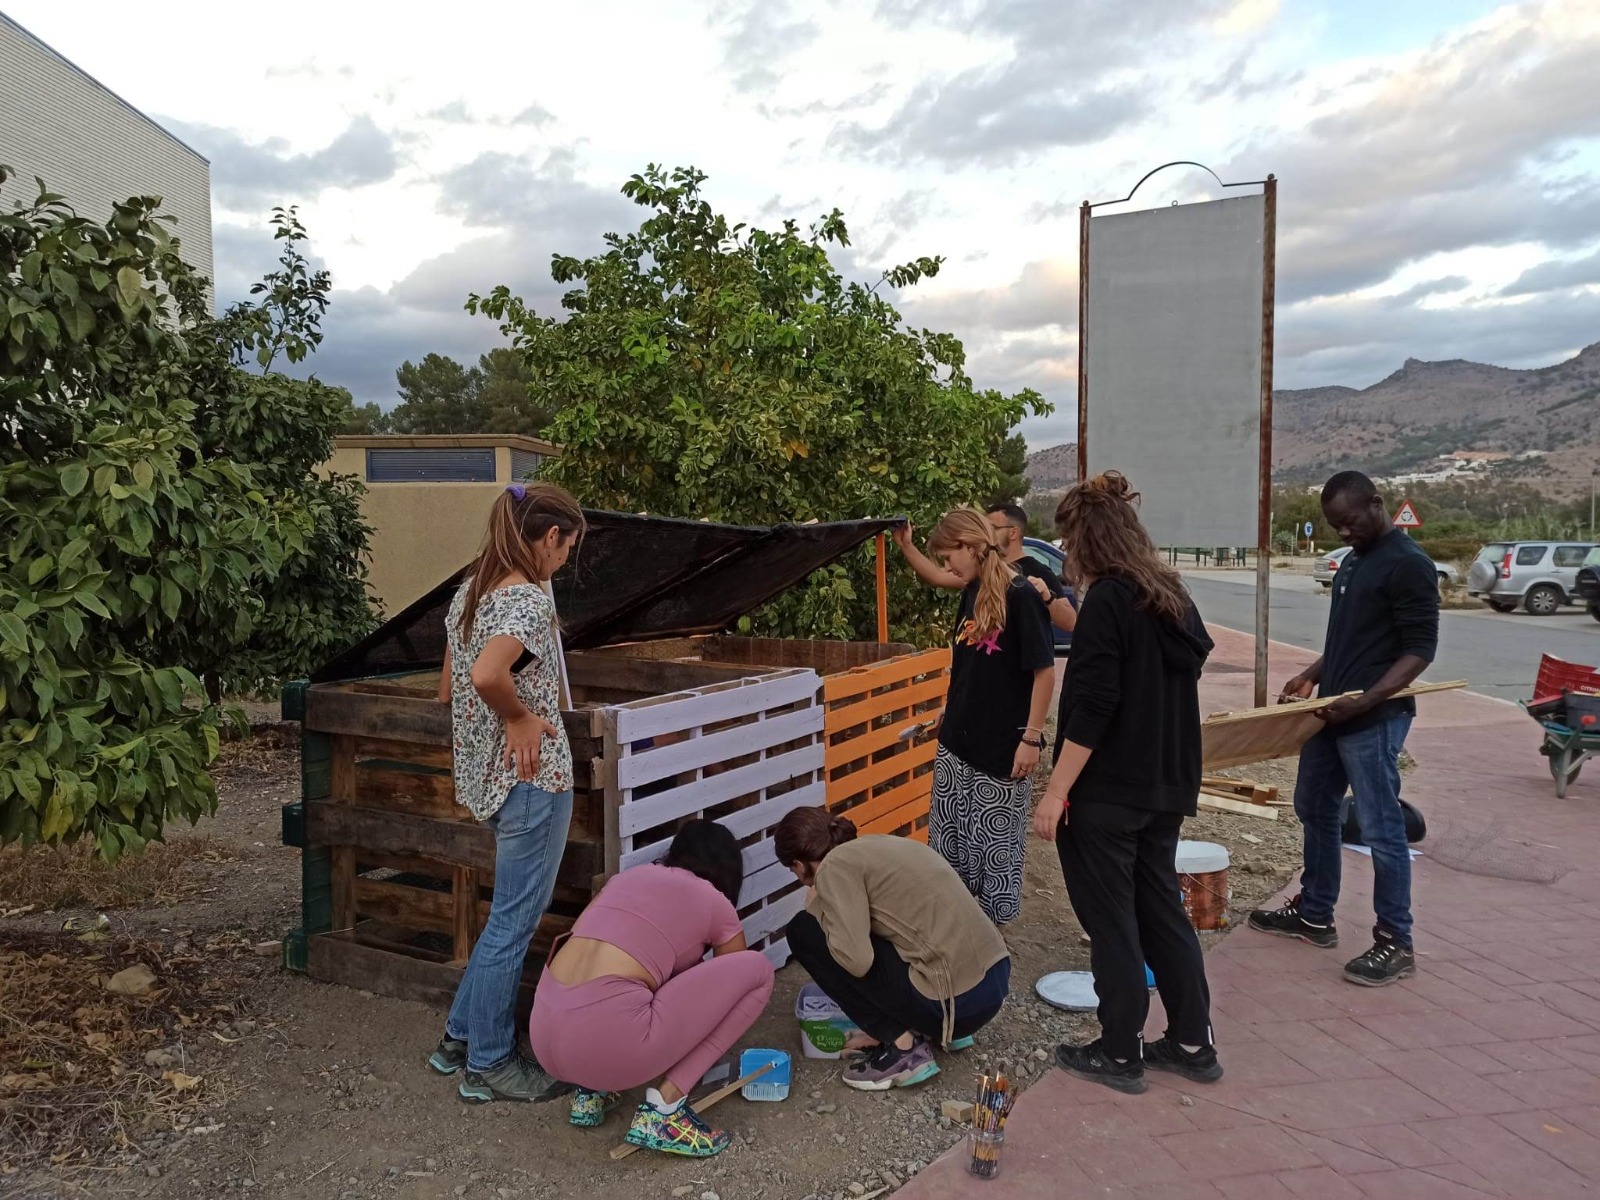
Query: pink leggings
612	1034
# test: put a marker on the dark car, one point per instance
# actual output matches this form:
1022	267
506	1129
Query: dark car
1051	557
1587	588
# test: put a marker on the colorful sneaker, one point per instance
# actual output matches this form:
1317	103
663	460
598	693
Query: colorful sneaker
590	1109
1389	961
962	1043
1287	922
449	1056
682	1132
889	1066
517	1078
1091	1062
1167	1055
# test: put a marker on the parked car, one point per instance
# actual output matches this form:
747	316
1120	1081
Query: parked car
1051	556
1540	576
1328	565
1588	586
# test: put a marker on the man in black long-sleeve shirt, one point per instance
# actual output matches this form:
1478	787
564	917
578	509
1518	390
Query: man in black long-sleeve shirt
1383	630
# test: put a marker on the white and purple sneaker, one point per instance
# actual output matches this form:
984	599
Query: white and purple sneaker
888	1066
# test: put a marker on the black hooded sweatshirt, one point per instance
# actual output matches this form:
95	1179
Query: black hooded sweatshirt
1132	695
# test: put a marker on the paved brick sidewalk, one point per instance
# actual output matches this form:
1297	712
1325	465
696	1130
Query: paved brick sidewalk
1480	1077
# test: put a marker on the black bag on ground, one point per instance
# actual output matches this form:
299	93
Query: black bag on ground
1416	827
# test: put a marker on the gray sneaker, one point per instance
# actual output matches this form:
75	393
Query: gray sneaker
888	1066
449	1056
517	1078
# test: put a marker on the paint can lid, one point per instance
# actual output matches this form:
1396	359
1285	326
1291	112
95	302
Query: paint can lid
1201	858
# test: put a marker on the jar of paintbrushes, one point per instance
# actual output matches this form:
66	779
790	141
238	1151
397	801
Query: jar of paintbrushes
988	1135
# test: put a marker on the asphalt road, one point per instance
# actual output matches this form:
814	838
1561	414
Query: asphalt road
1496	653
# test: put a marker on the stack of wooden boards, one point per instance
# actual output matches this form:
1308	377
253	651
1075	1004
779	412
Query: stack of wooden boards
1260	734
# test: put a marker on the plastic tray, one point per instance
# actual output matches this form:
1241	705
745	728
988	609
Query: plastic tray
774	1085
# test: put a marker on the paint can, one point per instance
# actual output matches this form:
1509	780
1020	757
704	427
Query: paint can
1203	875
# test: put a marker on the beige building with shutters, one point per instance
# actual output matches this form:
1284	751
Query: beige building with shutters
93	147
428	499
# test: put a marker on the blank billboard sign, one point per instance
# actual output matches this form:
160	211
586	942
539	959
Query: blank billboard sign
1171	373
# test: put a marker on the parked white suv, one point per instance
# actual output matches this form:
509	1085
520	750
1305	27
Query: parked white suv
1540	576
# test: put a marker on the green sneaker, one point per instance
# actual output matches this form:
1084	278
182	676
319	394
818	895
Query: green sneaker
590	1109
517	1078
962	1043
449	1056
682	1132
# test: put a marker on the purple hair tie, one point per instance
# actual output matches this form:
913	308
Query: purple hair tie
518	492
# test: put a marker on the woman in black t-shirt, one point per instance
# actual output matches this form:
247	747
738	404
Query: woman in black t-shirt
1002	669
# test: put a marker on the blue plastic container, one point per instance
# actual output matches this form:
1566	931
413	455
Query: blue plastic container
774	1085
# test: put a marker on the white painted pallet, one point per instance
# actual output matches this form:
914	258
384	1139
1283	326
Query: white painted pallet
778	718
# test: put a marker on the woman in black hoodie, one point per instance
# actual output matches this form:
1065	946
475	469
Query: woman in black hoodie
1127	772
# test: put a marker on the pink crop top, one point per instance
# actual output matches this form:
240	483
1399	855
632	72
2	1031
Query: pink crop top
665	917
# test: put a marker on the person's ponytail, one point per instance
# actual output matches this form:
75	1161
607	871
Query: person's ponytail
806	835
969	529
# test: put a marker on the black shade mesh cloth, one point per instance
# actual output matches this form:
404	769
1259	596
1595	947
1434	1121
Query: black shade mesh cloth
633	579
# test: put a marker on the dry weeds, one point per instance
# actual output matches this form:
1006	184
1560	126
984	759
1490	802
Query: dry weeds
49	877
88	1072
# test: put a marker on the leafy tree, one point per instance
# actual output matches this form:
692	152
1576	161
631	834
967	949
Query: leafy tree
440	395
1011	460
706	369
364	418
160	519
117	528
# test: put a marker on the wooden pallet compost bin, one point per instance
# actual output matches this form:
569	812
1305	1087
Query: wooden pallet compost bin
397	878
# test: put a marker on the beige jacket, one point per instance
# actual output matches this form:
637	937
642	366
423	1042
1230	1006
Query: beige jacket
908	894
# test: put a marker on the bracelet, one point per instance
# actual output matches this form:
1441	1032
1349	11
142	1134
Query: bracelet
1038	745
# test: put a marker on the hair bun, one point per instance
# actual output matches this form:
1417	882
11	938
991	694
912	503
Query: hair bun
840	831
1110	485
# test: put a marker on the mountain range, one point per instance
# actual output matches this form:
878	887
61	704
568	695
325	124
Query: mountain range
1431	420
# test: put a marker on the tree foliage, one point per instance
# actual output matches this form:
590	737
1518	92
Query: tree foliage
1011	461
440	395
708	369
158	521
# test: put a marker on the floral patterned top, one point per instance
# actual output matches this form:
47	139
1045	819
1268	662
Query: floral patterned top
483	780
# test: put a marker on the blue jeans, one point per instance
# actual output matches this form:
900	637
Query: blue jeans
1368	763
530	835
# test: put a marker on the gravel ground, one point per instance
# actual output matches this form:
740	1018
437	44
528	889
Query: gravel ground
323	1094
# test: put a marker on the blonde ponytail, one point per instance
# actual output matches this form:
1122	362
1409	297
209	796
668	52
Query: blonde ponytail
969	529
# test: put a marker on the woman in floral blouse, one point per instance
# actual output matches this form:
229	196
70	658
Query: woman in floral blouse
513	770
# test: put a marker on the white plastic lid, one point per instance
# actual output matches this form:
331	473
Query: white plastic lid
1201	858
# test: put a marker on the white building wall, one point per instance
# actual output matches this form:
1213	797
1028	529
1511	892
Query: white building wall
93	147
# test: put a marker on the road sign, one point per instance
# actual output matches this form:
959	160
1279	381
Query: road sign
1407	517
1310	528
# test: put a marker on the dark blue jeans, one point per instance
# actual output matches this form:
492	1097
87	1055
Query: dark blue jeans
1368	763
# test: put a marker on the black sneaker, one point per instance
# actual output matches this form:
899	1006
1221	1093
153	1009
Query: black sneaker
1091	1062
449	1056
1287	922
1389	961
1167	1055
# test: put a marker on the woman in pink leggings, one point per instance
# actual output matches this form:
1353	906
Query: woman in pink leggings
629	997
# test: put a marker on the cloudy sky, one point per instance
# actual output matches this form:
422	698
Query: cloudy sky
1439	160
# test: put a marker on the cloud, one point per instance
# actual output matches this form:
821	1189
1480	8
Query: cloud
1448	149
248	175
1073	77
509	191
1556	275
759	37
1044	293
457	113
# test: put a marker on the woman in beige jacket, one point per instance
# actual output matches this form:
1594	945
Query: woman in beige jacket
896	940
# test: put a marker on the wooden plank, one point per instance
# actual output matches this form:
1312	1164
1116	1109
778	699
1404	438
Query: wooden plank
393	718
740	698
770	879
464	923
743	823
675	648
415	753
344	960
634	770
844	781
1218	802
912	791
773	916
342	886
644	677
878	704
420	792
459	843
851	749
867	679
612	835
415	908
647	812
